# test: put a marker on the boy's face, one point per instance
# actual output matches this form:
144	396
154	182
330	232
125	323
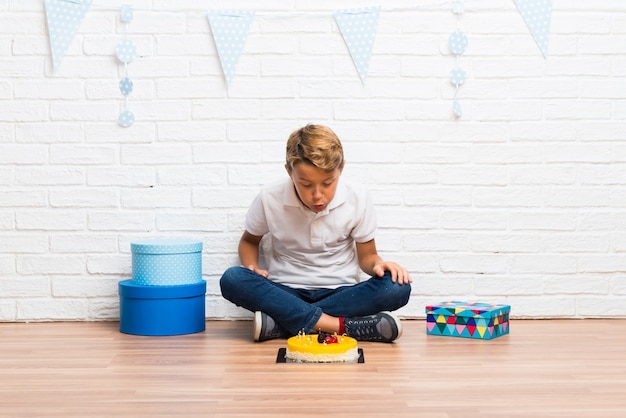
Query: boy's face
315	187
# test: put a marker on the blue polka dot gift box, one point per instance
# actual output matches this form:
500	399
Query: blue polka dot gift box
483	321
166	262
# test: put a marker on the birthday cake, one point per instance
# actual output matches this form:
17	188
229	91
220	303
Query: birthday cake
322	348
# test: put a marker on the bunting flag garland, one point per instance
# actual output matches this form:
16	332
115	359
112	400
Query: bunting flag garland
230	31
64	18
126	52
358	28
537	14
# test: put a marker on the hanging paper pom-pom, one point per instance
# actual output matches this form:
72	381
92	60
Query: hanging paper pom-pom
457	76
458	42
127	13
126	86
126	51
458	7
126	118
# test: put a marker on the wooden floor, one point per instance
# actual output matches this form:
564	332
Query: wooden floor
555	368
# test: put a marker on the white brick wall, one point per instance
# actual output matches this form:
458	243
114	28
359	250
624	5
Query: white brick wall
521	201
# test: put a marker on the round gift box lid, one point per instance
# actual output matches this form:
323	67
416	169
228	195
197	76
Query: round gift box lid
128	289
166	246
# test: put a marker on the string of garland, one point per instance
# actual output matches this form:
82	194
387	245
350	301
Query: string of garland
283	14
126	52
457	44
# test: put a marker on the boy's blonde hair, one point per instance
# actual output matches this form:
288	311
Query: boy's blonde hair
317	145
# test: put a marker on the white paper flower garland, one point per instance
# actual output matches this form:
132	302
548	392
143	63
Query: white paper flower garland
457	44
126	52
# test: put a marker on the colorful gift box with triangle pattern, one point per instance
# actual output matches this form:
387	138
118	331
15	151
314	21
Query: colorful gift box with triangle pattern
468	320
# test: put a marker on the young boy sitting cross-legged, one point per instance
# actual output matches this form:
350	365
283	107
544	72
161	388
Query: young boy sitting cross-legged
322	235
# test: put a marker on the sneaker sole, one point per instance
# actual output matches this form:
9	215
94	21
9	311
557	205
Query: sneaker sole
257	326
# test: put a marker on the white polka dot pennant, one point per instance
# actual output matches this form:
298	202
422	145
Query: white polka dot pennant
358	28
64	18
537	14
457	44
126	51
230	31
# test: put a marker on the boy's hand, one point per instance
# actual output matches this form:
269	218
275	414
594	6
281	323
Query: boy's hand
262	272
398	273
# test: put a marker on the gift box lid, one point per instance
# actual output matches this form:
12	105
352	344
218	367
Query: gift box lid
166	246
467	309
128	289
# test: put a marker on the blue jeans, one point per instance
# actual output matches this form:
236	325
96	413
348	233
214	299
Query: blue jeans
300	309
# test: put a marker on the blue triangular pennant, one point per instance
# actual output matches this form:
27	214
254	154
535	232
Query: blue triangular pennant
537	14
230	30
358	28
64	18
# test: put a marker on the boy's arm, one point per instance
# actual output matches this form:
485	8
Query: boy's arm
249	252
371	263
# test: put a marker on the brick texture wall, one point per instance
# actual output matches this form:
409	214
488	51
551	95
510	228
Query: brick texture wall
521	201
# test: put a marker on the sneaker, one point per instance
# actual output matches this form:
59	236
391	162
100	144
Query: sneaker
382	327
265	328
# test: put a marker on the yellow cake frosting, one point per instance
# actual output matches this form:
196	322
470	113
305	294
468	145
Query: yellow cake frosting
306	348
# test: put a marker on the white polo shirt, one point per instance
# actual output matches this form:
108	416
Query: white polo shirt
313	250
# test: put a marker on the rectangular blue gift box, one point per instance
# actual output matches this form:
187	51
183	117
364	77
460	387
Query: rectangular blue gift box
166	262
162	310
483	321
